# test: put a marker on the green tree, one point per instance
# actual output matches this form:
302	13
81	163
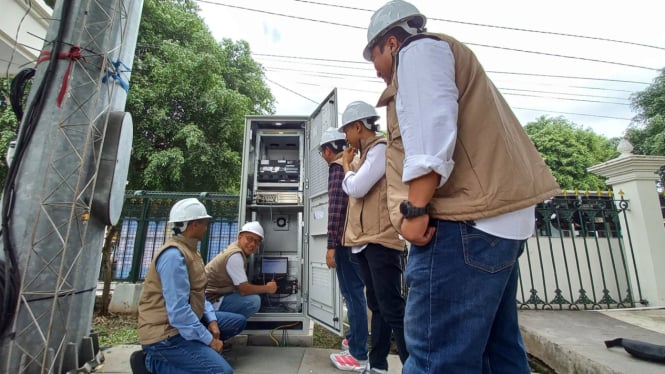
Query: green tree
8	125
188	98
647	131
569	150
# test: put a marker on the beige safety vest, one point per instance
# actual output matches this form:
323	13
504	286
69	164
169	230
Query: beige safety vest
153	319
497	168
367	219
219	281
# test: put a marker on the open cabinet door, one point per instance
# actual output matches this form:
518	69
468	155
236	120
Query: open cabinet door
324	300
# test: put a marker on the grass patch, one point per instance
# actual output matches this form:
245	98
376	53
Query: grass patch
116	329
119	329
324	338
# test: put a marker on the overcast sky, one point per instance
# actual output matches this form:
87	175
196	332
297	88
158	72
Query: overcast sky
308	48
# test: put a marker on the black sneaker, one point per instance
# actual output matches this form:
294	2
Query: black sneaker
227	347
137	363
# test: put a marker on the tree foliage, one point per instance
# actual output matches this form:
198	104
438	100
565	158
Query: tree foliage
569	150
647	132
8	125
188	98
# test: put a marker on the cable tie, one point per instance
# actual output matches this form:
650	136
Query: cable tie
73	55
114	73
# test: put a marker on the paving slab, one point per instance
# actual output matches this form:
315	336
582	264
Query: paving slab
567	341
252	360
573	342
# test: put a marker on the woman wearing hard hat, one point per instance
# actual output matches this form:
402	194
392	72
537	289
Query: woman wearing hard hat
368	231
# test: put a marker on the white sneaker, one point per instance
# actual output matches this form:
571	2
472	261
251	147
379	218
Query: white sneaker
344	361
345	344
367	370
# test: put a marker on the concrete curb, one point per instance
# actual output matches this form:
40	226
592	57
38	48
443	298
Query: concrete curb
573	342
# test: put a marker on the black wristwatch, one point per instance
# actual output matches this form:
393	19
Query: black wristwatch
410	211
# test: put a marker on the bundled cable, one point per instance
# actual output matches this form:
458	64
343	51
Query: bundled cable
17	91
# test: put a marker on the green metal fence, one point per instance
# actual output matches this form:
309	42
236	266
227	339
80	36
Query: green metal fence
143	229
577	259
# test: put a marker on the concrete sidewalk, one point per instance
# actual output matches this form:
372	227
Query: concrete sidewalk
573	341
252	360
567	341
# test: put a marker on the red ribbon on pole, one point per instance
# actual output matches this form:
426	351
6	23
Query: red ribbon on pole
73	55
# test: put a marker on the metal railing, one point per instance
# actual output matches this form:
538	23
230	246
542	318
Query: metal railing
578	258
143	229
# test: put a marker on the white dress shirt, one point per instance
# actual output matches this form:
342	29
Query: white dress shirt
357	184
427	109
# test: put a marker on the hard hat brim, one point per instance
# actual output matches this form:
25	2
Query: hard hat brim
367	52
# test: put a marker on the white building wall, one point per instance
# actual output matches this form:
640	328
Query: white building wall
23	26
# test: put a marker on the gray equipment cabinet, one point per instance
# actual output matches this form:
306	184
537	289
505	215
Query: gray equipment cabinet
285	187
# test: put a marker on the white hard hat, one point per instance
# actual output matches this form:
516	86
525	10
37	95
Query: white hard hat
359	111
393	13
253	227
331	135
187	210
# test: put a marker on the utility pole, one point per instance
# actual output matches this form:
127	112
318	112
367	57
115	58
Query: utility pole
70	170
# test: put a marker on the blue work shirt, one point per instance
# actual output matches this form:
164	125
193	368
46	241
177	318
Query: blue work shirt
175	288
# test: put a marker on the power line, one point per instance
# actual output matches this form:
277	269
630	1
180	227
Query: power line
565	98
309	58
576	114
346	64
364	78
467	43
488	71
290	90
562	93
501	27
281	14
513	107
567	76
564	56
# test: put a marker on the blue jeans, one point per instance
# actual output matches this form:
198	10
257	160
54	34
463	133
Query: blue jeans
461	314
236	303
230	324
349	276
176	355
382	272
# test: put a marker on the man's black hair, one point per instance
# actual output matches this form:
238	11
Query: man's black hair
399	33
336	146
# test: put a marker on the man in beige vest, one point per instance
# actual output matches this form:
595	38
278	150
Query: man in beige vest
463	180
373	240
176	322
228	287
